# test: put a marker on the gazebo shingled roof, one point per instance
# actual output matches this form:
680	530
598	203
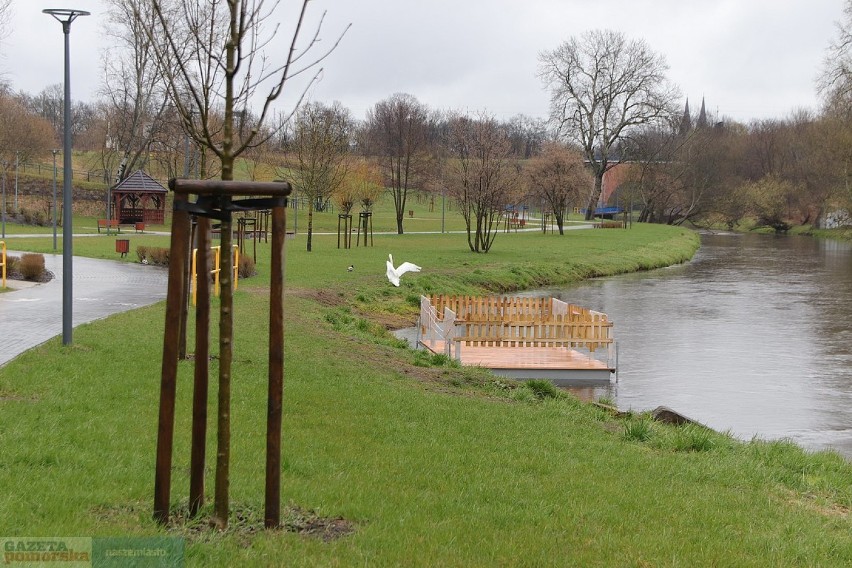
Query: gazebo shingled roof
139	182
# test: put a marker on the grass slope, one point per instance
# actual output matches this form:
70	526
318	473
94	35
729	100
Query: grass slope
429	464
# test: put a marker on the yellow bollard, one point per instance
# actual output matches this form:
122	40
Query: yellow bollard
217	258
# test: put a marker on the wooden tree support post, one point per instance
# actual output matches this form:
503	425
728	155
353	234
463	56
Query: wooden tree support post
347	230
365	220
168	380
215	200
202	367
272	513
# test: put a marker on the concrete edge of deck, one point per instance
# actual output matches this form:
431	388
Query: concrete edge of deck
559	377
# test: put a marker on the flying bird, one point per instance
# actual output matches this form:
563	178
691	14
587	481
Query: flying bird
394	274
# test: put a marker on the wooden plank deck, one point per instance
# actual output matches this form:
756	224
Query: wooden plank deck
531	362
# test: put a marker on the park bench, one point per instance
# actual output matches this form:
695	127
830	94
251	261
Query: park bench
609	225
108	224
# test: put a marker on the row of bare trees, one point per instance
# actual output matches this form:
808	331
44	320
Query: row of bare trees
779	172
610	97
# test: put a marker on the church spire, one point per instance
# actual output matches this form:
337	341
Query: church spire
702	116
686	121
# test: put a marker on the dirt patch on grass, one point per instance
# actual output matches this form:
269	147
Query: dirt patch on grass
389	321
325	297
822	506
9	396
309	523
244	523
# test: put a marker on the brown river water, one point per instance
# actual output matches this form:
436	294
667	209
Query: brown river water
753	336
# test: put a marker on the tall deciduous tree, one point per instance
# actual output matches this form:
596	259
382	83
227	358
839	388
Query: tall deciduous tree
482	176
215	57
364	182
23	134
133	89
559	177
835	80
396	130
319	146
5	15
604	86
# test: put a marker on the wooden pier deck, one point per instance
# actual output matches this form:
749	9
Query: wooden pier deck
560	364
521	338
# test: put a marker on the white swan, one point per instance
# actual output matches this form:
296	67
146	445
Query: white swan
395	273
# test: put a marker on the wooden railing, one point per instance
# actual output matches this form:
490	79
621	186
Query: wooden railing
501	308
450	323
434	331
558	331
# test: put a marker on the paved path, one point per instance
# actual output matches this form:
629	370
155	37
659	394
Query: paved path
31	315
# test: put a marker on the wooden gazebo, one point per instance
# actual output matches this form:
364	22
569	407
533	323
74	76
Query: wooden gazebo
139	198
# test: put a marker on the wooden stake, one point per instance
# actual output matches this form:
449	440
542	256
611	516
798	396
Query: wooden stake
202	367
168	380
272	513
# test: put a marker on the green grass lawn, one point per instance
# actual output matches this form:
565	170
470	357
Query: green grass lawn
428	464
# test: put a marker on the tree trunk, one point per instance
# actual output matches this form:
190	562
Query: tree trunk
310	222
226	334
596	195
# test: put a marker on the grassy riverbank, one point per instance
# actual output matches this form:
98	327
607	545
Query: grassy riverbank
425	463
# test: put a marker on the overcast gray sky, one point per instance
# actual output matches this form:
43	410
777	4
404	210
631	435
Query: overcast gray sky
748	58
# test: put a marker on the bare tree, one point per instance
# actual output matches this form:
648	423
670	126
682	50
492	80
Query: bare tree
319	145
5	15
681	175
215	57
603	86
527	135
364	182
133	88
482	176
49	104
816	166
23	134
396	130
559	177
835	80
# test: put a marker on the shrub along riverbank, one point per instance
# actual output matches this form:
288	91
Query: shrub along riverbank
393	458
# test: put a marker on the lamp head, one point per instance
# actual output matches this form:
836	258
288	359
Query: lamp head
65	15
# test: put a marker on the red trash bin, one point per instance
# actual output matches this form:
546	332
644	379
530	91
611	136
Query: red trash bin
122	246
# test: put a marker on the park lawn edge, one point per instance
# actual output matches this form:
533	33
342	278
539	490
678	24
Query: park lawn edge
429	463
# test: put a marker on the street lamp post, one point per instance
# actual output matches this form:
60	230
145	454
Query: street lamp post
16	183
65	17
55	151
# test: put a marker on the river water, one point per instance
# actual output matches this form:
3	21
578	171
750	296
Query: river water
753	336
